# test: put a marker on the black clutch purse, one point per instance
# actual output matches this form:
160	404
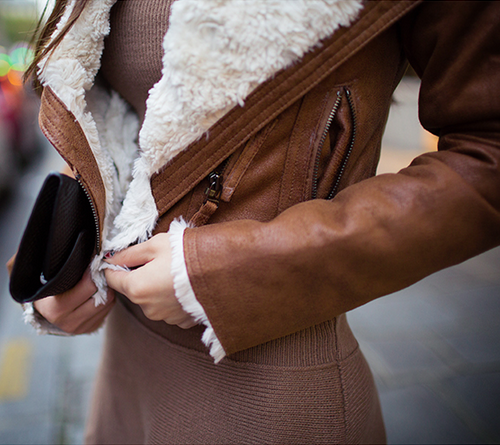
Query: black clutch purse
58	242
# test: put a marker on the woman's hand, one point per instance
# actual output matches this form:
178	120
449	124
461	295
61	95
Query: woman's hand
75	311
150	283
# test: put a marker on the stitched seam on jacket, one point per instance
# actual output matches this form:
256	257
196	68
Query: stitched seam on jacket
279	105
55	136
312	158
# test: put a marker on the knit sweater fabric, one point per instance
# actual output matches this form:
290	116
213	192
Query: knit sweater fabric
132	57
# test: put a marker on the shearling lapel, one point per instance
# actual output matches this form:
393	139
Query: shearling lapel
193	164
216	53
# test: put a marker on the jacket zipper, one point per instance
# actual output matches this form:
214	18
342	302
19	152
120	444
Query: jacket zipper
94	212
351	144
214	190
329	121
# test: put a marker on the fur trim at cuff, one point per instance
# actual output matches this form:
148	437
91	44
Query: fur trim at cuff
43	327
184	292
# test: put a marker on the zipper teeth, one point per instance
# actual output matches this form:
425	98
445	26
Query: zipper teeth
223	166
351	144
94	213
218	173
329	121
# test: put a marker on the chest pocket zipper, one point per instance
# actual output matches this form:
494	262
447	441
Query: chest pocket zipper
348	151
217	191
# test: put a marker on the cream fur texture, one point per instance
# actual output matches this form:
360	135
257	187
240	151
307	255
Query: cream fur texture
216	52
184	292
70	72
42	326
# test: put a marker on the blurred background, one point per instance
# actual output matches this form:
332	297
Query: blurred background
434	348
19	138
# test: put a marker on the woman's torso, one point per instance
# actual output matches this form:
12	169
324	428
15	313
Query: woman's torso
327	355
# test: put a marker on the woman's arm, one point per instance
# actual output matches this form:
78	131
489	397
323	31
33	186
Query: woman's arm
260	281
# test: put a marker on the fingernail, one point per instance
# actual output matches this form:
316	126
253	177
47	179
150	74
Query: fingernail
109	254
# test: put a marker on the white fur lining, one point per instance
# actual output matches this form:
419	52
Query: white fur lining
216	53
70	70
184	292
43	326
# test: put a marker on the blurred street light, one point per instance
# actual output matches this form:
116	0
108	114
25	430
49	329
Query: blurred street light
19	141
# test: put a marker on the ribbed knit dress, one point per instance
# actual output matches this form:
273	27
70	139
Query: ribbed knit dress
158	384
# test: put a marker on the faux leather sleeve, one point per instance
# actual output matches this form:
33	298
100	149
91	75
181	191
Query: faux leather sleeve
184	292
260	281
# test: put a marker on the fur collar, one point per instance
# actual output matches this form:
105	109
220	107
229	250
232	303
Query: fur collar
216	52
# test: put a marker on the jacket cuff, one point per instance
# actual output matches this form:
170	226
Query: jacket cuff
184	292
43	326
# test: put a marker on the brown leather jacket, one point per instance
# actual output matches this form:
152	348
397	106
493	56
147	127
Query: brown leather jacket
304	231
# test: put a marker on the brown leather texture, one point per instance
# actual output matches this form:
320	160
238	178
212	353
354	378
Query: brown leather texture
62	129
269	100
262	273
272	261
